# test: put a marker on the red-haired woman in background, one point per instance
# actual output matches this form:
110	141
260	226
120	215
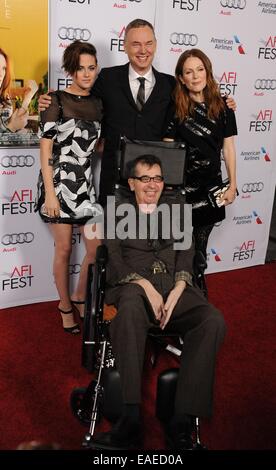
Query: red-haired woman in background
10	121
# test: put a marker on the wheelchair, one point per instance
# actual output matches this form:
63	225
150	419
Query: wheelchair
102	397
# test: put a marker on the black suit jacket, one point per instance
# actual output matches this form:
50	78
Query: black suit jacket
122	117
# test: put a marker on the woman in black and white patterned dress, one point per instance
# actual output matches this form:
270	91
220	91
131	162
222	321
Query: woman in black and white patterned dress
69	131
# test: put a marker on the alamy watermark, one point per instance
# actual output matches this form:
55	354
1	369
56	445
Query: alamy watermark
154	222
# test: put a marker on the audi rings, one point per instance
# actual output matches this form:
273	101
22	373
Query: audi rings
17	238
237	4
184	39
72	34
265	84
253	187
74	268
13	161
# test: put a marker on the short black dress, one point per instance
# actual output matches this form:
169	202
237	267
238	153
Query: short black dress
204	141
73	123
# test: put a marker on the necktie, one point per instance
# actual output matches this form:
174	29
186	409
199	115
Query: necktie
140	100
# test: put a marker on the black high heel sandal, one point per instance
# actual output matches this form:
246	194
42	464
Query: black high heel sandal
78	302
73	330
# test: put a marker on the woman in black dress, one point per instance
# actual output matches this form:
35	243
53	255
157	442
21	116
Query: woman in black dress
204	122
69	131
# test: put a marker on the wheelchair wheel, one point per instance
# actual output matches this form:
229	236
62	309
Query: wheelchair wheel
81	402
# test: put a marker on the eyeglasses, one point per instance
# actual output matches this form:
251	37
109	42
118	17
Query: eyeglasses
147	179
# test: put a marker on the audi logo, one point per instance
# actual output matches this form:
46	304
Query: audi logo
253	187
74	268
70	33
17	238
265	84
13	161
238	4
184	39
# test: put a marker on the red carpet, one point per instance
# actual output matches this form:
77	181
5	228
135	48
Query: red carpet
40	365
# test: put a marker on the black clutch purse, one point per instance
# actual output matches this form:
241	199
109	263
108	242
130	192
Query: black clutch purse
171	154
216	192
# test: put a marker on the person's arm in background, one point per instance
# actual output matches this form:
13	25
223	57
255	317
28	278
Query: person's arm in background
44	101
230	163
16	122
231	103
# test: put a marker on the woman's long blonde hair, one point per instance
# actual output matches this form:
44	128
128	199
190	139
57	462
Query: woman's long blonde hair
183	103
5	87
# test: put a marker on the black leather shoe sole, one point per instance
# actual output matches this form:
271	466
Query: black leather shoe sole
109	444
179	444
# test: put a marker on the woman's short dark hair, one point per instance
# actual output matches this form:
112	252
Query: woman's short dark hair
71	55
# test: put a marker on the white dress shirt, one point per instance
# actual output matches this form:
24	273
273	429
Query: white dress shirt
134	83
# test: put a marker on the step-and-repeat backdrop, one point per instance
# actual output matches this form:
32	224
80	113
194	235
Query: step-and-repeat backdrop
239	36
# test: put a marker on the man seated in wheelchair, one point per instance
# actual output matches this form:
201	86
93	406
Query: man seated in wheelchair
150	281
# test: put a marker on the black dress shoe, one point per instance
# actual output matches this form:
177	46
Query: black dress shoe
124	435
179	436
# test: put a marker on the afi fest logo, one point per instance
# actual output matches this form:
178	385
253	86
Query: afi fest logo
268	50
63	82
21	202
228	83
76	235
262	121
117	43
81	2
231	6
186	5
20	277
245	251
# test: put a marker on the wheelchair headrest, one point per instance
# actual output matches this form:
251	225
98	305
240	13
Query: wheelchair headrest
171	154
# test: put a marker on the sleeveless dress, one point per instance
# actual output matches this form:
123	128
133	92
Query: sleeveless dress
73	123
